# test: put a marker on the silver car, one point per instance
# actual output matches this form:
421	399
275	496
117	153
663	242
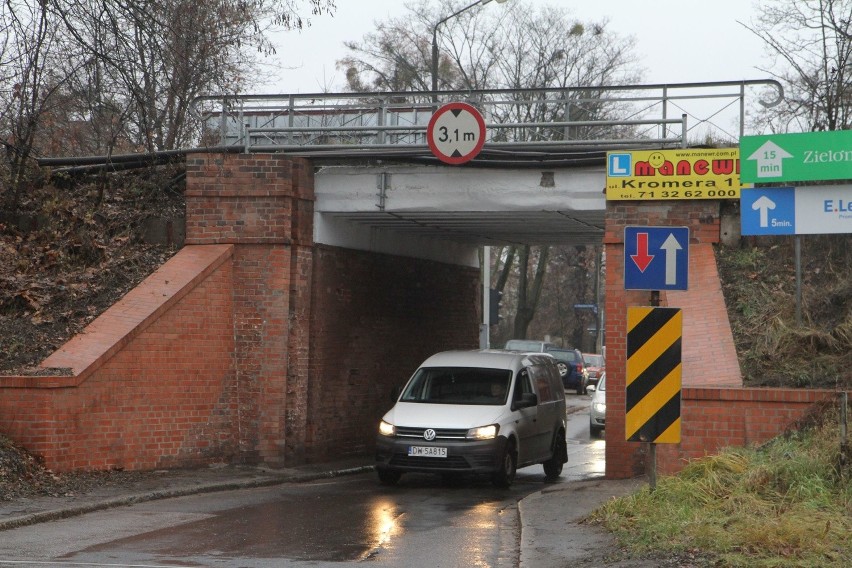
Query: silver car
597	410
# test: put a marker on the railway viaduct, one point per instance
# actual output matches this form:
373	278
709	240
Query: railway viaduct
317	272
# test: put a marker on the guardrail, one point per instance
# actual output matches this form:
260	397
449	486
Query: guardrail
544	119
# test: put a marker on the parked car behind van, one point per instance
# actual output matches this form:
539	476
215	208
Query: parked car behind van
476	412
595	367
597	408
572	369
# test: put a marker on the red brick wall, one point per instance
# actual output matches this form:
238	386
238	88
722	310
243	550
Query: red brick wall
263	203
716	418
198	374
375	318
711	418
152	381
274	351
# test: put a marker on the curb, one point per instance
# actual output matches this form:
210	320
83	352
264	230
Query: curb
132	499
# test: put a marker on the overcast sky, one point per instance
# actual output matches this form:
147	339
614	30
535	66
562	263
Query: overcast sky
678	40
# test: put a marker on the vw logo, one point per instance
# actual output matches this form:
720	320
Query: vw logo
428	434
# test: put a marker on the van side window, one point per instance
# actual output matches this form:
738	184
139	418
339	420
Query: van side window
522	385
541	378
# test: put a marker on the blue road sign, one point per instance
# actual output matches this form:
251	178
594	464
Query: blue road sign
656	258
808	210
768	211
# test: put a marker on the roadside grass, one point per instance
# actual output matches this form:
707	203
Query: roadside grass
787	503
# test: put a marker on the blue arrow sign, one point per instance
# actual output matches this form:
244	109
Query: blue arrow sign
768	211
656	258
808	210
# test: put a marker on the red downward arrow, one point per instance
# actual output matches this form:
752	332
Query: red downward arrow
642	258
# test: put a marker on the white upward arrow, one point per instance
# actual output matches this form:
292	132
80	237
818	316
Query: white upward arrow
769	159
764	204
671	246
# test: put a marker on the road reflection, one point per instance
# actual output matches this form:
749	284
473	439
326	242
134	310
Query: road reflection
383	517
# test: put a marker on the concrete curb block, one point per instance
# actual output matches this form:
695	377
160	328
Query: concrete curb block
132	499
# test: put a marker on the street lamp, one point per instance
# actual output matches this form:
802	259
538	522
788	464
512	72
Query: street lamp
435	42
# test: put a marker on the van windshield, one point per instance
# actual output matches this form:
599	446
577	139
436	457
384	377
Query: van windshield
458	385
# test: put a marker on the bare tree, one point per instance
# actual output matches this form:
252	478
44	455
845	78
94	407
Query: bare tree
810	42
100	76
516	47
29	74
157	55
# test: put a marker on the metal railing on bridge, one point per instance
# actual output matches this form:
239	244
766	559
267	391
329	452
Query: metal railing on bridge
529	120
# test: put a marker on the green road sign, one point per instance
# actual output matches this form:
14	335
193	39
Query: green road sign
807	156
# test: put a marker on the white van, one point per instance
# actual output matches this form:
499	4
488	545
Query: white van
477	412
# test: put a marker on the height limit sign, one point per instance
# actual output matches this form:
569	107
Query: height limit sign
456	133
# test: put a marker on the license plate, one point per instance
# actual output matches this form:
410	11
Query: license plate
427	452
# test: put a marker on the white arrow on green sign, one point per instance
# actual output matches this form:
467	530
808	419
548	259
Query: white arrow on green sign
806	156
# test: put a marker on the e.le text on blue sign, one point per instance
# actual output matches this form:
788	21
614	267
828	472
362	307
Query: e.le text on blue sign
656	258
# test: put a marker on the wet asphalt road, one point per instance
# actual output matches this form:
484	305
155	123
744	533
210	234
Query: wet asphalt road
344	521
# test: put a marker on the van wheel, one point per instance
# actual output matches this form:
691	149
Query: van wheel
508	466
553	466
388	476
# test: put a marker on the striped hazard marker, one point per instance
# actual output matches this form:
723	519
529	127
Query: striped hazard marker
654	368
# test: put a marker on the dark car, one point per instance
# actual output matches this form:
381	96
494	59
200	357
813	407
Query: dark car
571	367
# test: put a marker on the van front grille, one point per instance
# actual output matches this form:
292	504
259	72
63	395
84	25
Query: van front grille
440	433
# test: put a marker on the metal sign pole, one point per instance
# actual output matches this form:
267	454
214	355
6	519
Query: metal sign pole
844	444
484	330
652	446
798	251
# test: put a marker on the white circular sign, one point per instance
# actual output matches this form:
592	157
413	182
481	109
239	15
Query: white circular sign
456	133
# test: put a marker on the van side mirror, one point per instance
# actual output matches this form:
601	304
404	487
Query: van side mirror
528	399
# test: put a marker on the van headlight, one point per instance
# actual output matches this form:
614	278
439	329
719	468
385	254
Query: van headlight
483	432
386	429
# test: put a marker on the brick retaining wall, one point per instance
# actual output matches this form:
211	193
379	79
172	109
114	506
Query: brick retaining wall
250	345
151	383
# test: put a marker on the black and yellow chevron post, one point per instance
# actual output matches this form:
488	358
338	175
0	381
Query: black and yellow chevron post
654	368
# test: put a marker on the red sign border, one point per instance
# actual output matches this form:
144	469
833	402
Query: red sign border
430	133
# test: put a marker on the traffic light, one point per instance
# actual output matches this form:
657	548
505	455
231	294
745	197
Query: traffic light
494	299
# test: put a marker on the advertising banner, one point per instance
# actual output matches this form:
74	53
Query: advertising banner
673	174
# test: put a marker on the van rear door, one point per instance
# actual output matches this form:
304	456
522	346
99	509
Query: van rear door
548	407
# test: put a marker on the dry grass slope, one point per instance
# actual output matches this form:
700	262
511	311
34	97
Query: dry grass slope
759	283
